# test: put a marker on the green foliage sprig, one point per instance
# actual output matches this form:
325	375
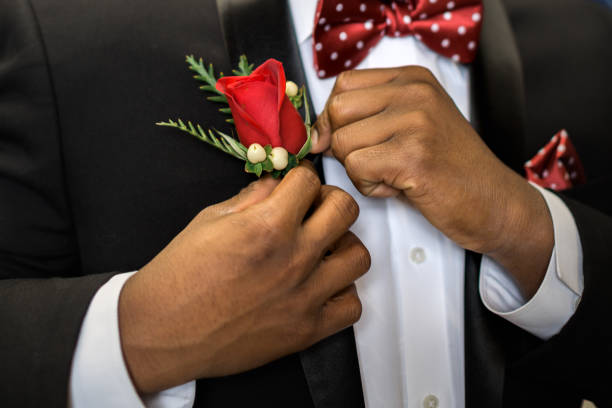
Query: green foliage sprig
223	142
244	68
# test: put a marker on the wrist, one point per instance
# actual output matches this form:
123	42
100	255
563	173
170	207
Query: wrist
131	333
148	350
525	239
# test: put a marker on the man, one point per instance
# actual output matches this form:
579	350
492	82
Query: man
96	190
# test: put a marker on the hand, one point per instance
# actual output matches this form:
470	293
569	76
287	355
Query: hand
246	282
398	133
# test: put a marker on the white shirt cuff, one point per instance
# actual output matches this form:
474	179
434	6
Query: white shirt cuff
555	302
99	376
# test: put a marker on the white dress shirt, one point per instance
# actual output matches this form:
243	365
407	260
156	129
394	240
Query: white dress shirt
411	333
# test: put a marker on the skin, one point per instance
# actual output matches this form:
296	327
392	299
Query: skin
253	279
248	281
398	133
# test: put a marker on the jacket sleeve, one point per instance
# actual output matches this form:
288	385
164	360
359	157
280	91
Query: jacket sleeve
589	333
575	358
43	296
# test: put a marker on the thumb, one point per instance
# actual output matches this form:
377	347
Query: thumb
321	133
252	194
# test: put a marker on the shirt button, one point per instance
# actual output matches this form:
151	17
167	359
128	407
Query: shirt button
417	255
430	401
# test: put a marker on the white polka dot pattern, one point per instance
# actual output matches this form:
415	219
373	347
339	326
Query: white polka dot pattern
557	165
345	31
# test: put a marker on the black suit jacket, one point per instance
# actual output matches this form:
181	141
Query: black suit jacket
89	187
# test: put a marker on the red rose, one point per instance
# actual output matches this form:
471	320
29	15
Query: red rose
262	112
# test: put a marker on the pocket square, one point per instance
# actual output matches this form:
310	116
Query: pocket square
557	165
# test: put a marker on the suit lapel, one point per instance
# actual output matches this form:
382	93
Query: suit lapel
263	29
499	117
484	357
497	88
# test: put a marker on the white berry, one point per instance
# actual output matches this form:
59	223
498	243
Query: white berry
280	158
256	153
291	89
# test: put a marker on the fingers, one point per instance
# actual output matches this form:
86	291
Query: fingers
346	82
362	93
349	260
320	135
347	107
374	130
335	211
252	194
294	195
382	170
340	312
362	133
365	78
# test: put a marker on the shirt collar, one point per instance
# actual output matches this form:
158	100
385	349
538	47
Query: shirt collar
303	12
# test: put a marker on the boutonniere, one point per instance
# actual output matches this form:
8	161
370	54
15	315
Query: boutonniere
271	135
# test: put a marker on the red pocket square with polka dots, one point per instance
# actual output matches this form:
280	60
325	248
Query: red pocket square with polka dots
557	165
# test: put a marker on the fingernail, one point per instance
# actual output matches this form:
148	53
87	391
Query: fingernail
314	136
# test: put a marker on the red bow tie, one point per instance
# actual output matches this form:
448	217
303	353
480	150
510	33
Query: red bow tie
346	30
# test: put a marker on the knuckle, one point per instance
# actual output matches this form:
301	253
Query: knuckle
248	188
301	184
418	120
421	150
353	308
336	106
299	265
309	178
344	80
323	124
266	226
362	257
352	164
206	212
421	90
420	161
338	144
422	119
345	205
413	73
423	72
